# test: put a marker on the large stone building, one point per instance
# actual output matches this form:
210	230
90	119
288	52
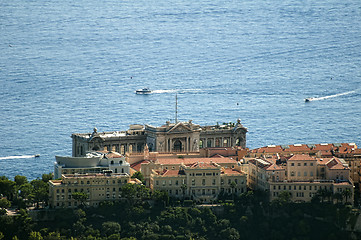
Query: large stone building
347	151
94	162
171	137
99	187
302	175
200	181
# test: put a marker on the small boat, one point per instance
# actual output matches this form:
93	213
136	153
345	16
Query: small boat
143	91
37	155
308	99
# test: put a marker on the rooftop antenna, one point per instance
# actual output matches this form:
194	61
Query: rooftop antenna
176	108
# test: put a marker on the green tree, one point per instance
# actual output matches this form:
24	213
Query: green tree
4	204
283	198
139	176
230	233
35	236
338	196
135	193
184	189
20	180
7	188
233	185
40	192
110	228
81	197
161	196
346	194
46	177
24	224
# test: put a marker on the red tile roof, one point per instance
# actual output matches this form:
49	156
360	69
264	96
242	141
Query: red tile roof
204	165
335	164
171	173
324	148
189	161
136	166
231	171
302	157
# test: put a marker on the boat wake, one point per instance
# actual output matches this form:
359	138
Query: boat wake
176	91
18	157
330	96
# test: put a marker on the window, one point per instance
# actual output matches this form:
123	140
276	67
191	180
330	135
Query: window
311	164
214	181
193	182
311	173
305	164
170	182
203	182
305	174
299	174
292	164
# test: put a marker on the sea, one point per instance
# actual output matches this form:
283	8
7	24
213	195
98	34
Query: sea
67	66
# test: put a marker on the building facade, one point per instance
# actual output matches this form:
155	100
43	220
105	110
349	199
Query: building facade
303	176
98	187
202	182
171	137
95	162
346	151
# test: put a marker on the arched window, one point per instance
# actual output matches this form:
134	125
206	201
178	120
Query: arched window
177	146
225	143
200	143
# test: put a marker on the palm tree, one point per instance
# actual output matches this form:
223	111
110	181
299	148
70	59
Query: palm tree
184	188
338	196
346	194
233	186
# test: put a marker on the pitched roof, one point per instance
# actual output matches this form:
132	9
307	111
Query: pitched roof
302	157
204	165
336	164
189	161
231	171
136	166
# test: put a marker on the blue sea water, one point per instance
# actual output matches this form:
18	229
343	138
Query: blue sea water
68	66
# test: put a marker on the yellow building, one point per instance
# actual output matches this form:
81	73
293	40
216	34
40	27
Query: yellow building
201	181
98	187
303	176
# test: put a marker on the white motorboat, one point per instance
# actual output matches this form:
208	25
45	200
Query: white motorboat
143	91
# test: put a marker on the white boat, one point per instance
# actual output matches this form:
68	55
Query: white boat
308	99
143	91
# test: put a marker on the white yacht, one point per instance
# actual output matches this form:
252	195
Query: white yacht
143	91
